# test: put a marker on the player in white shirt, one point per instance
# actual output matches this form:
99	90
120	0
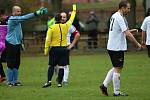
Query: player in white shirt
116	47
146	32
73	31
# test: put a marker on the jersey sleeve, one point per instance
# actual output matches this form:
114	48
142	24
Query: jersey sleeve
72	29
70	21
144	27
122	24
22	18
48	41
51	22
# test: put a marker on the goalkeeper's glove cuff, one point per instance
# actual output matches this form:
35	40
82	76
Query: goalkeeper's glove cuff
41	11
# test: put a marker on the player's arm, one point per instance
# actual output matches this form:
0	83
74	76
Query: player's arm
132	39
17	19
51	22
76	38
70	21
144	28
143	40
48	41
39	12
134	31
127	32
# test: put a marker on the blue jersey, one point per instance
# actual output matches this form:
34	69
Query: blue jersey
14	35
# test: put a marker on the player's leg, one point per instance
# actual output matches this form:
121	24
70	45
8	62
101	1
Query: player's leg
63	61
66	70
52	64
60	75
3	60
50	73
109	77
16	65
118	65
107	80
117	61
66	74
116	80
10	63
1	73
56	68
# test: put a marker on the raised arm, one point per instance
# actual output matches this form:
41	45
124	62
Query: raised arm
70	21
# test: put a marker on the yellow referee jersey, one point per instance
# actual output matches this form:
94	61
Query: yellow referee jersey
57	33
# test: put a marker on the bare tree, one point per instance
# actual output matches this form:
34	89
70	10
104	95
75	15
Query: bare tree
132	16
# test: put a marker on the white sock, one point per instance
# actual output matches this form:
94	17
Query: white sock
116	82
109	77
56	70
66	73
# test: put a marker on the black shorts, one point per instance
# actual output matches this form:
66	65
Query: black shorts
13	55
3	56
148	49
58	56
117	58
68	56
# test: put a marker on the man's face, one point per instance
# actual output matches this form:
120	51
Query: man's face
17	11
63	17
126	10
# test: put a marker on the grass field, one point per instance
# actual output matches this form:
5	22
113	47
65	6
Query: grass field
86	73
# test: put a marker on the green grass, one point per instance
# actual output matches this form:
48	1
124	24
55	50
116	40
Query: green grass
86	72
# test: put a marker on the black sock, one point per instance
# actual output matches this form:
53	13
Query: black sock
50	73
60	75
2	73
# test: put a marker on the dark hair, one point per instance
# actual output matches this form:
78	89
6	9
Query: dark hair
58	18
148	12
123	3
67	14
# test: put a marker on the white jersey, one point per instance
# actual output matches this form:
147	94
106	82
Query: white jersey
117	38
71	30
146	27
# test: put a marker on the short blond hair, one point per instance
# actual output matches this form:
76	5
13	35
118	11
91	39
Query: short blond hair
14	8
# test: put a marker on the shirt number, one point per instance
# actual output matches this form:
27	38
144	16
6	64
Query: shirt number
111	23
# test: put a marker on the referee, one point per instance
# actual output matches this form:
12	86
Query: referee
56	45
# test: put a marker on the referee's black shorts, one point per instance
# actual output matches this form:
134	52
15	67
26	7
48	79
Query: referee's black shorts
13	55
117	58
58	56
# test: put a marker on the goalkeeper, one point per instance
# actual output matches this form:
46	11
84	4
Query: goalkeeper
14	40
